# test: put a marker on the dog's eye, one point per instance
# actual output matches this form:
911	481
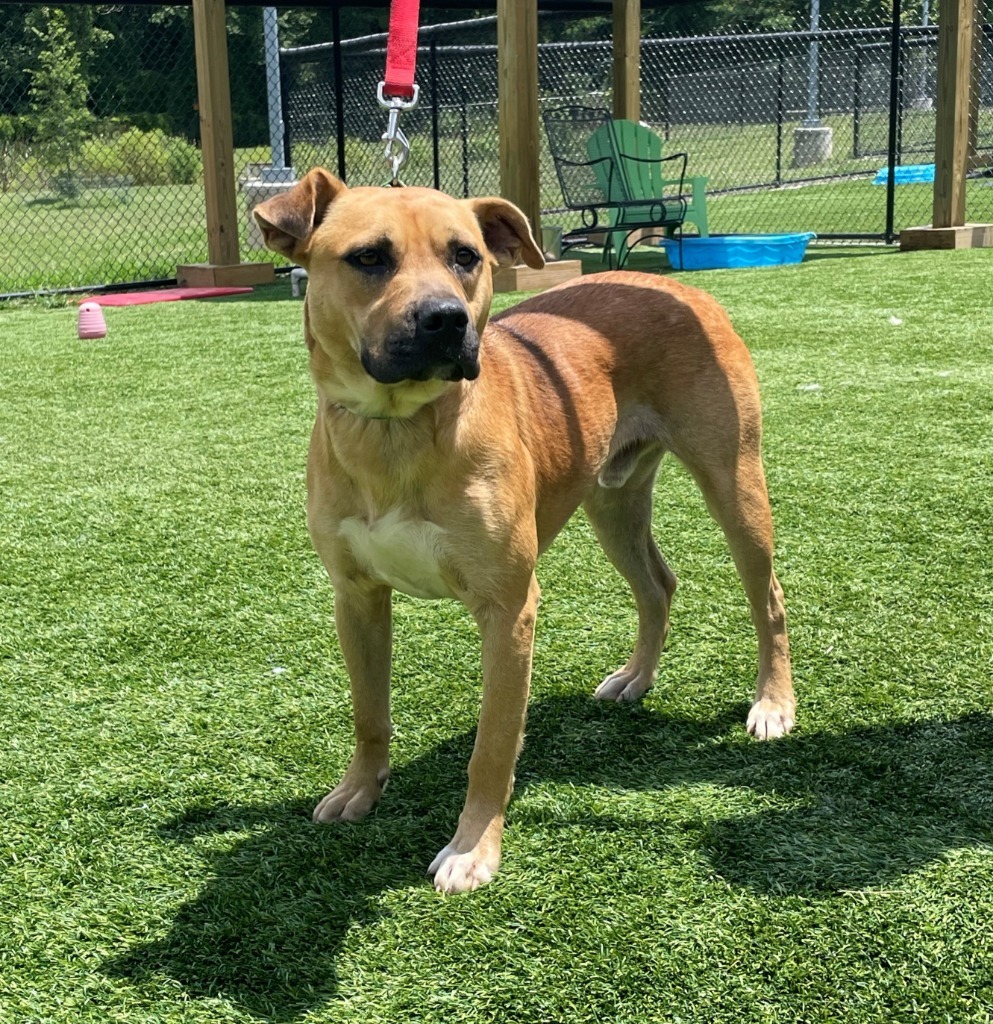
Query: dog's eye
466	257
367	259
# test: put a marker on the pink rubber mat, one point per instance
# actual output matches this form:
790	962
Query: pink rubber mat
163	295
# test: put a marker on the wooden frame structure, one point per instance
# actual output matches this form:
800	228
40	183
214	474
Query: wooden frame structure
517	36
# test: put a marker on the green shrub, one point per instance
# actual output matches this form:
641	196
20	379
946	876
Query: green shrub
146	158
99	158
149	122
183	160
143	157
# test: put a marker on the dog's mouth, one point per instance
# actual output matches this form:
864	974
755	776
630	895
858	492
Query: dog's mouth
402	359
392	373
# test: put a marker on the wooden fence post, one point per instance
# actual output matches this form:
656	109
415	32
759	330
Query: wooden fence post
627	59
520	139
517	48
957	82
217	149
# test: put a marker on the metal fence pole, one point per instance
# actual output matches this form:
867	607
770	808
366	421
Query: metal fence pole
284	115
896	72
464	135
277	170
857	104
813	118
901	106
665	107
339	92
435	139
780	116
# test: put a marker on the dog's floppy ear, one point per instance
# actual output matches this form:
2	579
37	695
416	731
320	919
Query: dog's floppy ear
507	233
288	220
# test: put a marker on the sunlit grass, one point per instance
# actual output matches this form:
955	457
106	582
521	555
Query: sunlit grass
175	703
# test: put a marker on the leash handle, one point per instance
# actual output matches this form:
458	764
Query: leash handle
401	49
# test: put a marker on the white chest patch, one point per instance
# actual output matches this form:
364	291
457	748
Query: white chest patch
400	552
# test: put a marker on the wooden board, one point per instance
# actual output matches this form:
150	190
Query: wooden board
214	275
955	86
627	59
517	110
524	279
964	236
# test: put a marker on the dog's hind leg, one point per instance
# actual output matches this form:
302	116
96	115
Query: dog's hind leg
735	491
622	519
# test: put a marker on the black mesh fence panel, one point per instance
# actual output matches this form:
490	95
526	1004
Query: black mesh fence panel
453	130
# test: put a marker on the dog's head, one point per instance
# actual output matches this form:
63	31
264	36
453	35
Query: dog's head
399	283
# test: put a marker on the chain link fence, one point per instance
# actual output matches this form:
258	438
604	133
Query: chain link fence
791	129
99	167
101	174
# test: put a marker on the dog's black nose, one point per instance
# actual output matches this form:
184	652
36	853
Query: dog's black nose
442	321
436	339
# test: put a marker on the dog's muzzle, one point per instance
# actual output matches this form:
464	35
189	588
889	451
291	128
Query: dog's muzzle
436	342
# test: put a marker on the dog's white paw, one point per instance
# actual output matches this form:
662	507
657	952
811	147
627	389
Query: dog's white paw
768	720
462	872
626	684
352	799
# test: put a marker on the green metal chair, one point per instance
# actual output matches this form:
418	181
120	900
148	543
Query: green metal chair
614	175
638	184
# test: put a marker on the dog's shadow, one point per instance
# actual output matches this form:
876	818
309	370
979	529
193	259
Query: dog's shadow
848	811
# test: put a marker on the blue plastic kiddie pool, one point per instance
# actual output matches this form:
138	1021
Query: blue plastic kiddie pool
695	253
907	174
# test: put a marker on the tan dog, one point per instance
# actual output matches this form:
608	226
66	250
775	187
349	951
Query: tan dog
447	454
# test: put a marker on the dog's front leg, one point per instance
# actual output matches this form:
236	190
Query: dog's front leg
473	855
362	616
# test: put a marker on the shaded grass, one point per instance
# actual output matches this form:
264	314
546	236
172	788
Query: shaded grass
174	702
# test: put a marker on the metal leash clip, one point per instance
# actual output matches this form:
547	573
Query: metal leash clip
397	147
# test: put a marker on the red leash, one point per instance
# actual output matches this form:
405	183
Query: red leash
401	49
397	91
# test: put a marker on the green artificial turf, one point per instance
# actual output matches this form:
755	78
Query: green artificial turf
174	702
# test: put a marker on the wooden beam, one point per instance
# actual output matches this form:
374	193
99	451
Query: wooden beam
216	135
517	48
955	81
627	59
